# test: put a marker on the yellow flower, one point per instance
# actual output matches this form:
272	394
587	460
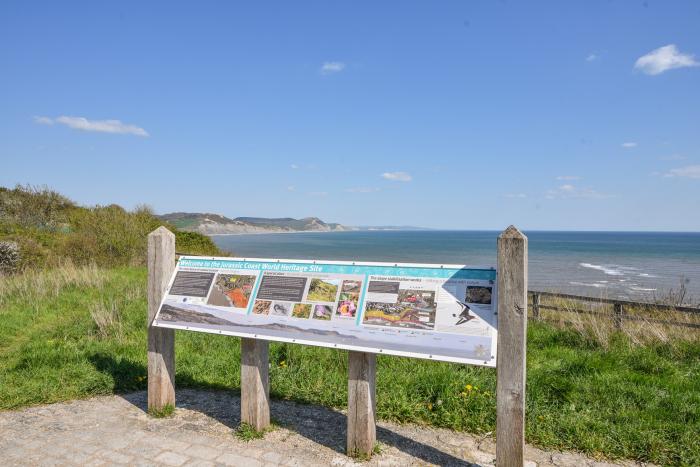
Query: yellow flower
468	387
430	406
283	363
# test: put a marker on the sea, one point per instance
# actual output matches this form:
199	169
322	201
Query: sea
626	265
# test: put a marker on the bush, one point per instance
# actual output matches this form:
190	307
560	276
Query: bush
49	230
34	207
9	257
195	243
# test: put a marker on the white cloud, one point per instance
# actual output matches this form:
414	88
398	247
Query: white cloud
294	166
569	191
663	59
100	126
515	195
568	177
629	144
291	188
397	176
362	189
329	68
690	171
591	57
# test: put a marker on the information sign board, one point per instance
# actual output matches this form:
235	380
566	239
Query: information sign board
440	312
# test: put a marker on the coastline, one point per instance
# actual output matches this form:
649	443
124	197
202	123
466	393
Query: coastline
268	232
640	266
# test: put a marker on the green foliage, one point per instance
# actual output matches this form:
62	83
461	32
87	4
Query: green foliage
246	432
34	207
195	244
50	230
623	401
166	411
108	235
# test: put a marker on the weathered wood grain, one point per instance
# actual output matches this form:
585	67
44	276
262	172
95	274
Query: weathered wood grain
161	342
362	406
512	335
255	384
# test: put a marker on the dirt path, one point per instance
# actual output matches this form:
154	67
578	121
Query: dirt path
115	430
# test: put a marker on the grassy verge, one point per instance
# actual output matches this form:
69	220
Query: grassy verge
68	334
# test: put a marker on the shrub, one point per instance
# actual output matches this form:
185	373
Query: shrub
9	257
195	243
49	229
34	207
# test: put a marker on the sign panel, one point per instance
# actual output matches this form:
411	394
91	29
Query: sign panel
441	312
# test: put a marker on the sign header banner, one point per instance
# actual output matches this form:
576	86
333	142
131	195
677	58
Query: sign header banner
440	312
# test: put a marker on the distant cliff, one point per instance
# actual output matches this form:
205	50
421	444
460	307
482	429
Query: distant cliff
214	224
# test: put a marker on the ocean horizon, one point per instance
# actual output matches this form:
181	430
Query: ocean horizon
616	264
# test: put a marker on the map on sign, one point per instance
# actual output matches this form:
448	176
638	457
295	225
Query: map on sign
426	311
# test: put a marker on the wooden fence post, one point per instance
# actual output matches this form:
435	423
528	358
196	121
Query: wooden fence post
536	306
255	383
618	315
512	342
362	406
161	342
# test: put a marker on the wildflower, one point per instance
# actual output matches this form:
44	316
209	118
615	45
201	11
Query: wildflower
430	406
283	364
468	387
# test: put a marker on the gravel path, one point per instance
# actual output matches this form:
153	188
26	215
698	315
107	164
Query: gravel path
115	430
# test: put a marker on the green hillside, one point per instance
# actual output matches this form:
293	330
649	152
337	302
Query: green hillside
41	228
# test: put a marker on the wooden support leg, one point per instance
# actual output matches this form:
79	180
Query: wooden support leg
362	431
255	384
512	341
161	342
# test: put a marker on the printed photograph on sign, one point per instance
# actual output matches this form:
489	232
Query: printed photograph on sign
231	290
262	307
301	310
407	308
322	312
281	309
349	299
479	294
323	290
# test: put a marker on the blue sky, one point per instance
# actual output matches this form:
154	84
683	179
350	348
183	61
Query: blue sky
467	115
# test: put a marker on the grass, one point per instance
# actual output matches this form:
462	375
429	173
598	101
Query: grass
645	325
77	332
246	432
166	411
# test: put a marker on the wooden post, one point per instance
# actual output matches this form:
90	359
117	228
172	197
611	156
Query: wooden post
536	306
255	383
161	342
618	315
512	342
362	406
